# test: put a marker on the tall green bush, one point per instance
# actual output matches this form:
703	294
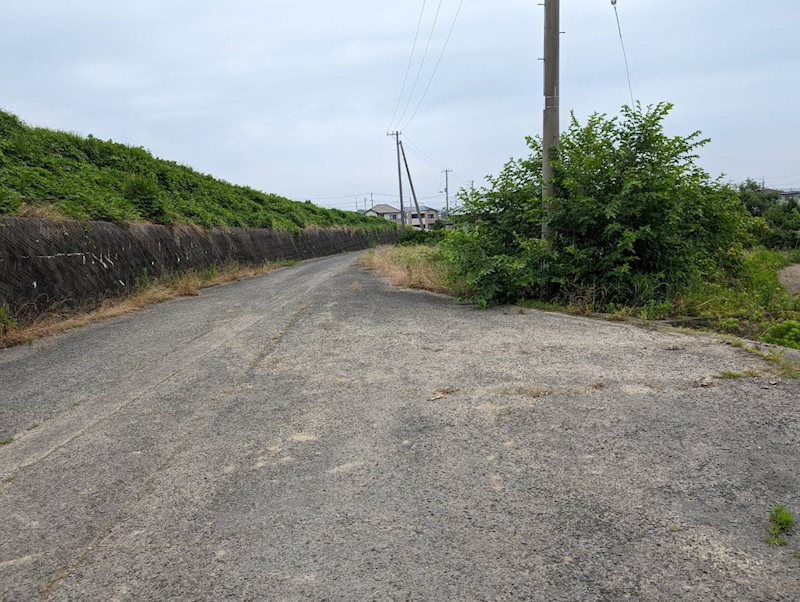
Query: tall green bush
635	219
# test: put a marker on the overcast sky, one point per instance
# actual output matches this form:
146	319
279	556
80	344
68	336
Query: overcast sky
295	97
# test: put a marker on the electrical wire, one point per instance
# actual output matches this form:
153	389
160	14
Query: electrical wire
408	67
433	162
624	54
425	158
422	62
438	61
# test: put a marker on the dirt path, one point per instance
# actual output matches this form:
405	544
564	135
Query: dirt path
790	278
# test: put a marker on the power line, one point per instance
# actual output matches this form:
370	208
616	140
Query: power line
427	157
408	68
422	62
438	61
624	53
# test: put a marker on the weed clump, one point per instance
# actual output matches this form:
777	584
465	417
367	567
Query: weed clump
781	522
785	333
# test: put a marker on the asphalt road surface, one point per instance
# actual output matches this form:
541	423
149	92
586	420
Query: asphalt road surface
314	434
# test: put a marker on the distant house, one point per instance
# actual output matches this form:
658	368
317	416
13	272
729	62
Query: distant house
384	211
789	195
429	217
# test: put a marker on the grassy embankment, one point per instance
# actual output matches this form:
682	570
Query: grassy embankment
46	173
754	306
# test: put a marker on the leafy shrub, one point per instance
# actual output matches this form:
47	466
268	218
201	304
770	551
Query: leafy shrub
634	219
784	333
145	194
411	236
779	223
9	200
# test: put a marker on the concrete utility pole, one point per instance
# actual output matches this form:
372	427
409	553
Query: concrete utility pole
447	173
399	177
550	128
413	192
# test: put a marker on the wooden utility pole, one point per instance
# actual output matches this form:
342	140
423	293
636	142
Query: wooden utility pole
399	177
447	173
413	192
550	128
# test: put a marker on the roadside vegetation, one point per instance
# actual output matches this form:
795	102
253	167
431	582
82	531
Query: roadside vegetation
46	173
781	522
148	291
640	230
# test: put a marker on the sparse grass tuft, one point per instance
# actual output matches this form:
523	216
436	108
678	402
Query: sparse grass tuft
187	285
781	522
7	441
731	375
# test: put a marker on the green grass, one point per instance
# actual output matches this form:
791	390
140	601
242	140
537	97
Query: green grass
61	174
781	522
7	441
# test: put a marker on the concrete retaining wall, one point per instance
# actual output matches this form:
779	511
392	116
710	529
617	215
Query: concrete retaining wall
74	263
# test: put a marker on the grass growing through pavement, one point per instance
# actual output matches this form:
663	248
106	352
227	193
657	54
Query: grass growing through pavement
781	522
148	291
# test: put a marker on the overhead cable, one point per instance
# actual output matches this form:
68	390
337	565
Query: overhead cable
624	53
438	61
408	67
422	62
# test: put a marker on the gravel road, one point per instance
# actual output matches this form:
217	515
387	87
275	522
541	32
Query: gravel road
790	278
315	434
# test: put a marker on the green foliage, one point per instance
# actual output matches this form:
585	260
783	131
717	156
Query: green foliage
635	220
779	223
784	333
783	221
87	178
145	193
6	321
411	236
755	199
781	522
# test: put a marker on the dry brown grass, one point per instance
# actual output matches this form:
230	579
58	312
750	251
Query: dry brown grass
179	285
40	211
409	267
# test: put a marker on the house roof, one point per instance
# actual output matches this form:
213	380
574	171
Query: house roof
422	209
381	209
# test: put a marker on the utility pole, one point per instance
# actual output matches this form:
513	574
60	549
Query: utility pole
371	201
399	177
550	128
447	173
413	193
